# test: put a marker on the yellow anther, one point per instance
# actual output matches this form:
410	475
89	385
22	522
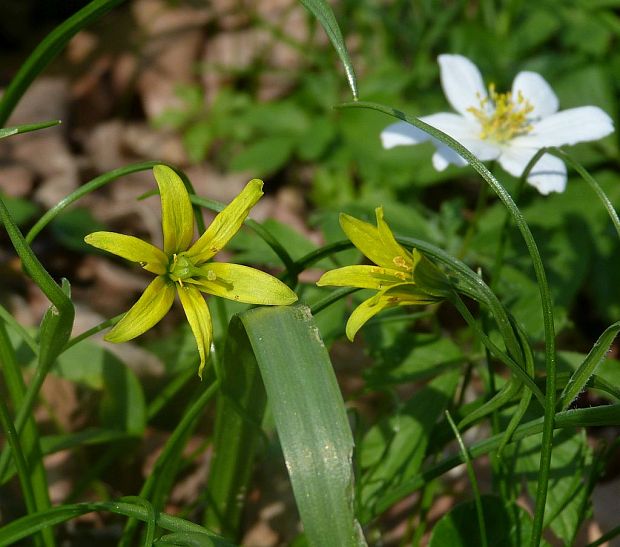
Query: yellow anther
401	262
501	116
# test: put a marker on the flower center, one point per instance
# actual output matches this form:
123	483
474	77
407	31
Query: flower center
181	268
502	116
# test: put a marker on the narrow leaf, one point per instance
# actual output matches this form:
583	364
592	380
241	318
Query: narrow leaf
597	354
325	15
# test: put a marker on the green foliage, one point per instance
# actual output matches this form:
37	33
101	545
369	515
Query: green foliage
525	272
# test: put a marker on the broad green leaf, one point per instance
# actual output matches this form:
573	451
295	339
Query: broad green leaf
570	461
265	156
323	12
393	450
404	356
310	418
505	526
21	210
122	405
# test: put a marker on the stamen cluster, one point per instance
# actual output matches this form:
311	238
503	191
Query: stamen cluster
501	116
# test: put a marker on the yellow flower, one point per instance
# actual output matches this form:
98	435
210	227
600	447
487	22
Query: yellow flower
400	277
186	267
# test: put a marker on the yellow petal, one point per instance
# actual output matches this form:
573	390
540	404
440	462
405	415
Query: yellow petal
145	313
363	277
199	319
368	240
131	248
177	217
227	223
244	284
391	245
365	311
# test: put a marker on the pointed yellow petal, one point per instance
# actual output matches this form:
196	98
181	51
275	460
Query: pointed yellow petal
131	248
145	313
199	319
368	240
363	277
365	311
402	258
244	284
177	217
227	223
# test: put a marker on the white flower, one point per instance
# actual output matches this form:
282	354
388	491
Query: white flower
508	127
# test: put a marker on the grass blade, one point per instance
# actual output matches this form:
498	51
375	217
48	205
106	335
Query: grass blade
49	48
325	15
580	377
310	418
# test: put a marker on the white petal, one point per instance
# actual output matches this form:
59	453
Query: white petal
586	123
461	82
458	127
445	156
537	91
514	159
464	131
402	133
548	175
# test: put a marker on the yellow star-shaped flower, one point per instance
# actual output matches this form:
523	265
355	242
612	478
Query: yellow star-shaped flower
185	268
400	277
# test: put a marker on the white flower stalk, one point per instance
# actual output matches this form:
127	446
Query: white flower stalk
508	127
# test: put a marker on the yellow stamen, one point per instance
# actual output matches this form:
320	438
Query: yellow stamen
501	116
402	262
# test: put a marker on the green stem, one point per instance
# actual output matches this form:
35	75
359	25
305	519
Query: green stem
30	442
597	416
171	451
547	305
472	480
611	211
18	455
83	190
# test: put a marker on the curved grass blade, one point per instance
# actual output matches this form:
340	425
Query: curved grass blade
8	131
543	286
472	480
580	377
608	415
83	190
310	419
325	15
49	48
30	524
